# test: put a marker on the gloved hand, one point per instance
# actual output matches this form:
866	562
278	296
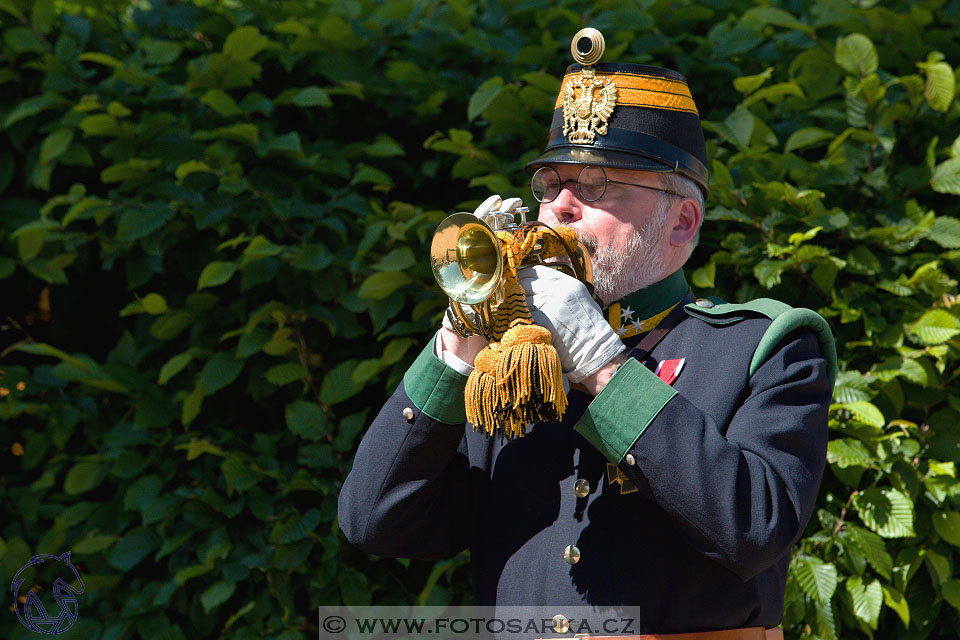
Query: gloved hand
584	339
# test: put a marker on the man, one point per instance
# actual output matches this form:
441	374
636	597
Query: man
689	458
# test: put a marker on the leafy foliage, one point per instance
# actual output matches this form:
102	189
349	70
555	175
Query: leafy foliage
214	227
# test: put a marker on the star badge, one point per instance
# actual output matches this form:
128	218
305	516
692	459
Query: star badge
614	474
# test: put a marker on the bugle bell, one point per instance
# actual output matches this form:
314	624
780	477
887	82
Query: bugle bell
467	254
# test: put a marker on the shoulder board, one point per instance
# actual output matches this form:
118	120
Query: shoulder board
715	311
784	320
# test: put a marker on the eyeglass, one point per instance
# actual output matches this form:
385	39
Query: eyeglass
591	184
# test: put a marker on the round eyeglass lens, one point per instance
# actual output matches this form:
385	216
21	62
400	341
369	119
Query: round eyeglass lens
592	183
545	184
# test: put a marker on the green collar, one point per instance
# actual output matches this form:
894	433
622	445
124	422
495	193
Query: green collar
657	297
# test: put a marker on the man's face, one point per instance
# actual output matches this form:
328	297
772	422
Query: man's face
626	231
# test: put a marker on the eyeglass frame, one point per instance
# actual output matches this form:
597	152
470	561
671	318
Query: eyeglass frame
606	181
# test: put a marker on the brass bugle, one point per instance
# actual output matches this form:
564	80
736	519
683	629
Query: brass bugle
466	257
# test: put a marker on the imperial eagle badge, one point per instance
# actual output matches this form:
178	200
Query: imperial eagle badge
588	99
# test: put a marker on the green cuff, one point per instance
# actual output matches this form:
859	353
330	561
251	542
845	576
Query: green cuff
623	410
435	388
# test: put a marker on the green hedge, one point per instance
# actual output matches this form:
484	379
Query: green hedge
215	221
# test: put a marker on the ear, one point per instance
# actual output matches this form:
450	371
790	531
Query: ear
687	217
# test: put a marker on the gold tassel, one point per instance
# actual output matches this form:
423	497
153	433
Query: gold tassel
518	380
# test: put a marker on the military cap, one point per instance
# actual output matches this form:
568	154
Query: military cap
625	116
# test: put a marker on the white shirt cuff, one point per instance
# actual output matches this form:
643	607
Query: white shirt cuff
448	358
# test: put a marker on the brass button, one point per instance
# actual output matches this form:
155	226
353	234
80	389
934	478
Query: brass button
706	304
629	459
408	414
560	624
571	554
581	488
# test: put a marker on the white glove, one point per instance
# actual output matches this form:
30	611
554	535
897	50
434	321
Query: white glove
584	339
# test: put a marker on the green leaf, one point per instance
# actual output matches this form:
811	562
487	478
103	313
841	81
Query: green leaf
285	373
856	54
132	548
947	525
43	15
100	124
365	370
132	169
192	405
244	43
807	137
817	578
873	548
219	371
397	260
216	595
338	385
55	144
941	86
888	512
138	223
23	40
191	166
216	273
384	147
173	366
243	132
10	6
100	58
847	452
197	447
312	96
33	106
866	412
238	475
740	123
749	84
307	420
951	592
946	177
896	601
154	303
222	103
372	175
946	232
483	96
395	350
82	477
44	349
866	600
93	544
704	276
936	327
380	285
160	52
287	144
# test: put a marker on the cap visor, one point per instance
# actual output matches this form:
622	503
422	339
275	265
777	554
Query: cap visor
601	158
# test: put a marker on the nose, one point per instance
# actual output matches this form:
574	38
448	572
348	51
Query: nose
567	206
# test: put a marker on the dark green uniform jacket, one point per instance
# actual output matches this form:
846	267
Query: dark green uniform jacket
726	462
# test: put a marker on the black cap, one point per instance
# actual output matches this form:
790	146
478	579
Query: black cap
626	116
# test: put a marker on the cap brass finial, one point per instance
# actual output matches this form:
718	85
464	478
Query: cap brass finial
587	46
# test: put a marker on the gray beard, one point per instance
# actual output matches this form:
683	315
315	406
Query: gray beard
619	272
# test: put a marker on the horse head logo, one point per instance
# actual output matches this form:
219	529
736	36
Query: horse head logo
34	615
